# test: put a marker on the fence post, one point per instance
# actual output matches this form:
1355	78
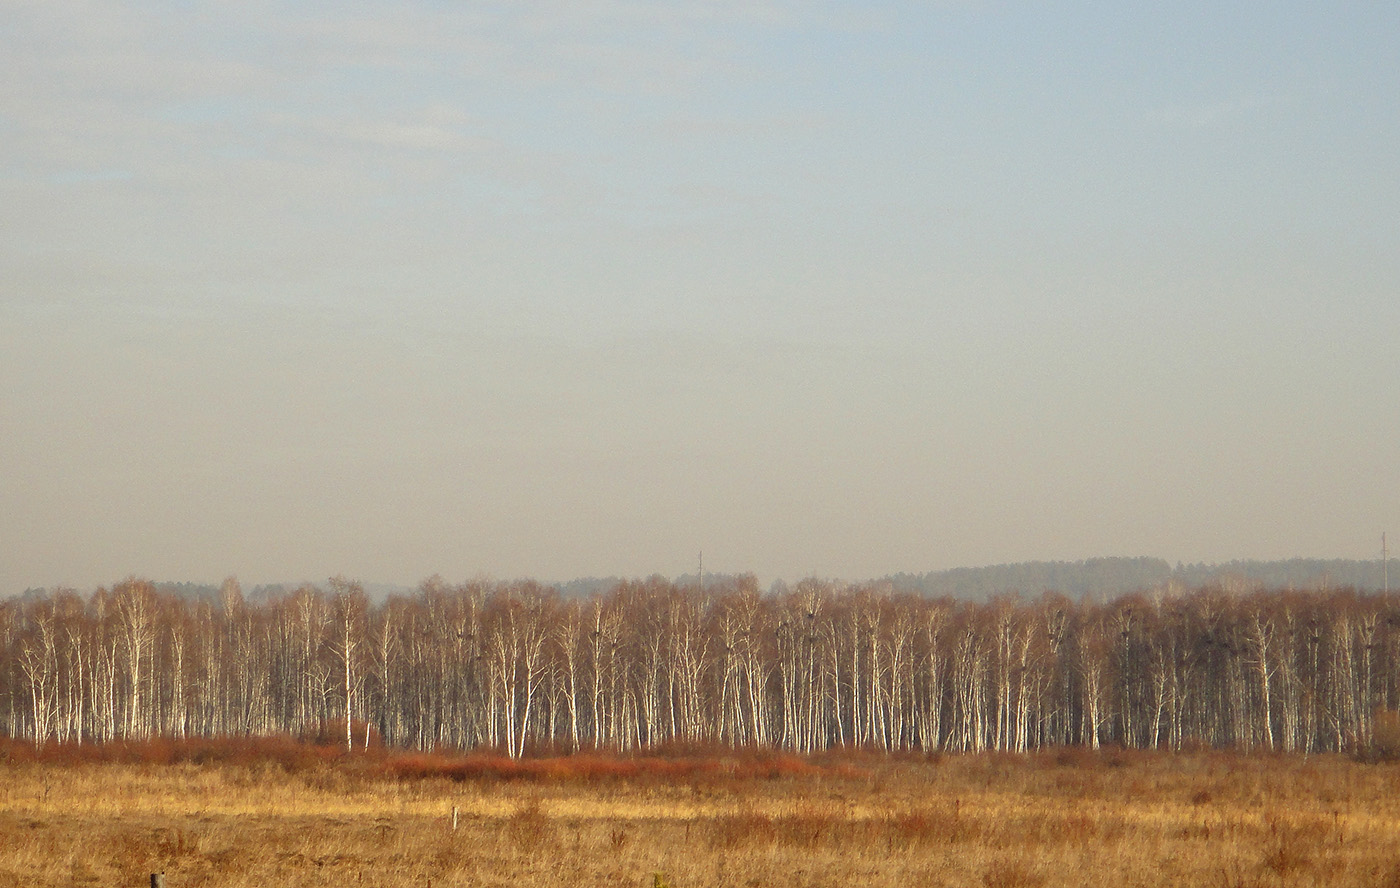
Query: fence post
157	880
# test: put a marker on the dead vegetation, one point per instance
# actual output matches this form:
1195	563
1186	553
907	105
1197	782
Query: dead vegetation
237	816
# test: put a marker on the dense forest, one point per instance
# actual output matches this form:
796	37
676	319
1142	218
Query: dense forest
519	667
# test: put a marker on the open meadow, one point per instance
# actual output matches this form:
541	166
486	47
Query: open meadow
302	815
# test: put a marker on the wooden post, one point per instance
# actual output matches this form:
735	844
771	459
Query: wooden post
454	819
157	880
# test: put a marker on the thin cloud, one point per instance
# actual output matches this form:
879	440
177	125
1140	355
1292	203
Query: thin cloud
414	136
1204	115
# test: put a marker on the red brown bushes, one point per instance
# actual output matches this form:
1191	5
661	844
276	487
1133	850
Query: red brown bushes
293	755
281	751
592	767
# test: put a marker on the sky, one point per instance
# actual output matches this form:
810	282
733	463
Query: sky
564	289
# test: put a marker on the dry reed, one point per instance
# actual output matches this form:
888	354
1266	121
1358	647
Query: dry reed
305	817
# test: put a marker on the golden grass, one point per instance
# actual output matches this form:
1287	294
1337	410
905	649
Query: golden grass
995	821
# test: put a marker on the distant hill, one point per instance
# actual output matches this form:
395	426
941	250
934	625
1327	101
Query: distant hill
1092	577
1295	573
586	586
1109	577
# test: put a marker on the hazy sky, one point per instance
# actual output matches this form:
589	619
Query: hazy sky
583	288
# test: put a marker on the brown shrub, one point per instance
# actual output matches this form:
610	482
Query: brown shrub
1385	738
1233	876
924	827
1011	874
730	831
805	830
173	843
1295	845
131	855
618	837
1074	757
529	827
1389	876
1059	828
1284	859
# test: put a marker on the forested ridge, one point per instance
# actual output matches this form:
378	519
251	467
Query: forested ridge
1097	577
1109	577
516	666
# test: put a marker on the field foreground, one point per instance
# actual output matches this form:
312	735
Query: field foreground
1005	822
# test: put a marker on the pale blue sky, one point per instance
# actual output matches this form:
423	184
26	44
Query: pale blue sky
559	289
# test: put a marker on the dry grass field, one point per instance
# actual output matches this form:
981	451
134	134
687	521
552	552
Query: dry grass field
311	817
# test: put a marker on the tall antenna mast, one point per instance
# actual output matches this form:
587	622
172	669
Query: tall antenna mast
1385	565
702	571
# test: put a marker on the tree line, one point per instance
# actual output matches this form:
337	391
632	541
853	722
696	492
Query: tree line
518	667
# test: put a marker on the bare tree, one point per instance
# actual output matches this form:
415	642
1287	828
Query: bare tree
349	605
